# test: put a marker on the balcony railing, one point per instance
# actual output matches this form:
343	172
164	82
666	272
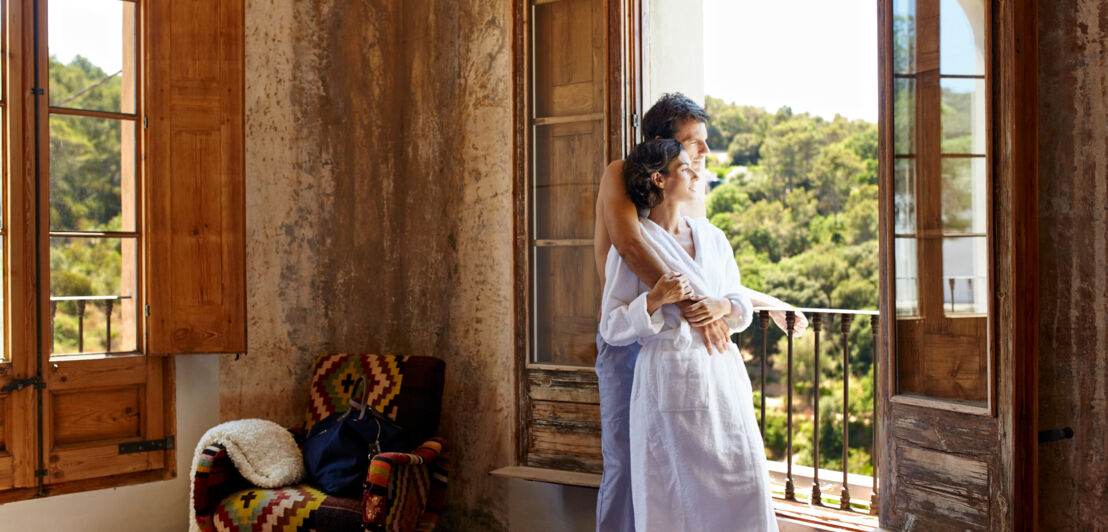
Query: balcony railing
819	320
81	304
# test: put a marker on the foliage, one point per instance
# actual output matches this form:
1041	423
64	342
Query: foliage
802	220
86	159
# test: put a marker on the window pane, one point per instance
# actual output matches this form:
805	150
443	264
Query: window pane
963	115
92	174
964	195
962	37
85	275
907	292
965	275
904	36
567	158
567	299
904	116
91	47
904	196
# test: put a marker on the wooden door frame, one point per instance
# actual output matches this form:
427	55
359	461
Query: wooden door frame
1014	96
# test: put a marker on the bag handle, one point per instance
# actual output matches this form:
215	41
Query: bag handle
359	406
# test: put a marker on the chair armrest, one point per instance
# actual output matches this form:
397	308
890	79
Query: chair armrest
389	494
214	478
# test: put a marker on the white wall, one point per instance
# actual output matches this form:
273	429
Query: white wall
151	507
674	50
542	507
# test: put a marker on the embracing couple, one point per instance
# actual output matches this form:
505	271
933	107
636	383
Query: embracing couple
681	446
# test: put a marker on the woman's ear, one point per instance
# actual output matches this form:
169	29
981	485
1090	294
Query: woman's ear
658	180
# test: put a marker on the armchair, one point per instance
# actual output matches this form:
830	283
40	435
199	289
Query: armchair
403	491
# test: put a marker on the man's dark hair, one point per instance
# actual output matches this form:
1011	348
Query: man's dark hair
668	112
651	156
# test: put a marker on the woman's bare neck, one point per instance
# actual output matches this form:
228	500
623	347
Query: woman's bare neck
668	216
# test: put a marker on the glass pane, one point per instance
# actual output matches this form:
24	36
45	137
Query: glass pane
89	276
92	174
904	36
904	116
962	37
965	275
907	283
567	157
963	115
904	196
92	54
566	299
965	205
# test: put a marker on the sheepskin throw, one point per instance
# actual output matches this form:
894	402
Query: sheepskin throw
263	452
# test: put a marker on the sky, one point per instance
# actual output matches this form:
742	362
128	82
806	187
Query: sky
93	29
816	56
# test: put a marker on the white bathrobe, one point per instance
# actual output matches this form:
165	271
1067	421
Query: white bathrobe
697	460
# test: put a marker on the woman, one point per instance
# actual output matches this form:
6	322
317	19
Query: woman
697	461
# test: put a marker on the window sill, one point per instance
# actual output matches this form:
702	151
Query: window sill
551	476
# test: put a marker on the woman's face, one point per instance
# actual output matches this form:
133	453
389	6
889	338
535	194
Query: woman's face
679	182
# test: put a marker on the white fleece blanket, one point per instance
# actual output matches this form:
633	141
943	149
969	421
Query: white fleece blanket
264	452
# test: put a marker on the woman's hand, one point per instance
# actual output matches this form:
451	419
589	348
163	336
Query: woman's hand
705	310
671	288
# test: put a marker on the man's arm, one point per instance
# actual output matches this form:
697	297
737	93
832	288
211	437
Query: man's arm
765	300
621	222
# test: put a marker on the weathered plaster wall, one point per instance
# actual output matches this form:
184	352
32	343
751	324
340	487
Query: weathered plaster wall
378	138
1073	289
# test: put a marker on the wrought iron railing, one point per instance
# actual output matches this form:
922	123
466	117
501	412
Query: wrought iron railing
818	319
81	302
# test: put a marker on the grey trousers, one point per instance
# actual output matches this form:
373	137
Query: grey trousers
615	371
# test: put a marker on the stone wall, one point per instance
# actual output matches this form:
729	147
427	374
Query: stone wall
1073	254
379	213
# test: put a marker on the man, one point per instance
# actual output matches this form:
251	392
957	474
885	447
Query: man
678	117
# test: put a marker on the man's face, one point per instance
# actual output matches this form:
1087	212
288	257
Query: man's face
694	136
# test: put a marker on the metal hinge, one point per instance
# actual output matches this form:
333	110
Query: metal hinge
41	472
634	120
37	91
146	310
145	122
16	385
146	446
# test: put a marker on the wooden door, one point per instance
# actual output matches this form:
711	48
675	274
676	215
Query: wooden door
104	403
957	409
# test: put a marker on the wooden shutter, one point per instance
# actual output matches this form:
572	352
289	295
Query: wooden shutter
195	268
577	73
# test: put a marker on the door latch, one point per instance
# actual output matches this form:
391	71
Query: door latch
16	385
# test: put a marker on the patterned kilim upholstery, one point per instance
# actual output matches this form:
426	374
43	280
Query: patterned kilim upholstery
403	491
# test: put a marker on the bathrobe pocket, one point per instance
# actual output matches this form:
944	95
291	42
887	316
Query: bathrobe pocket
681	382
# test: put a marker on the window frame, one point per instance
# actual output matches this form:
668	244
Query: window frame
42	462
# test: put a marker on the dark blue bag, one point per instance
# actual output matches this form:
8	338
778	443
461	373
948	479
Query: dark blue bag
339	447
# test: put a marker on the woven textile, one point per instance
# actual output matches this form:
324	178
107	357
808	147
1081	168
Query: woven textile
403	493
292	509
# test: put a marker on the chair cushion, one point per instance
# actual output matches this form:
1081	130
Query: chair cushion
406	389
291	509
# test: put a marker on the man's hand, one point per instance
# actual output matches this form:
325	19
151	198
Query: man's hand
799	326
715	335
706	309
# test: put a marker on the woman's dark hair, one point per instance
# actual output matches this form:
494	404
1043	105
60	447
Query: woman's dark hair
663	118
648	157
